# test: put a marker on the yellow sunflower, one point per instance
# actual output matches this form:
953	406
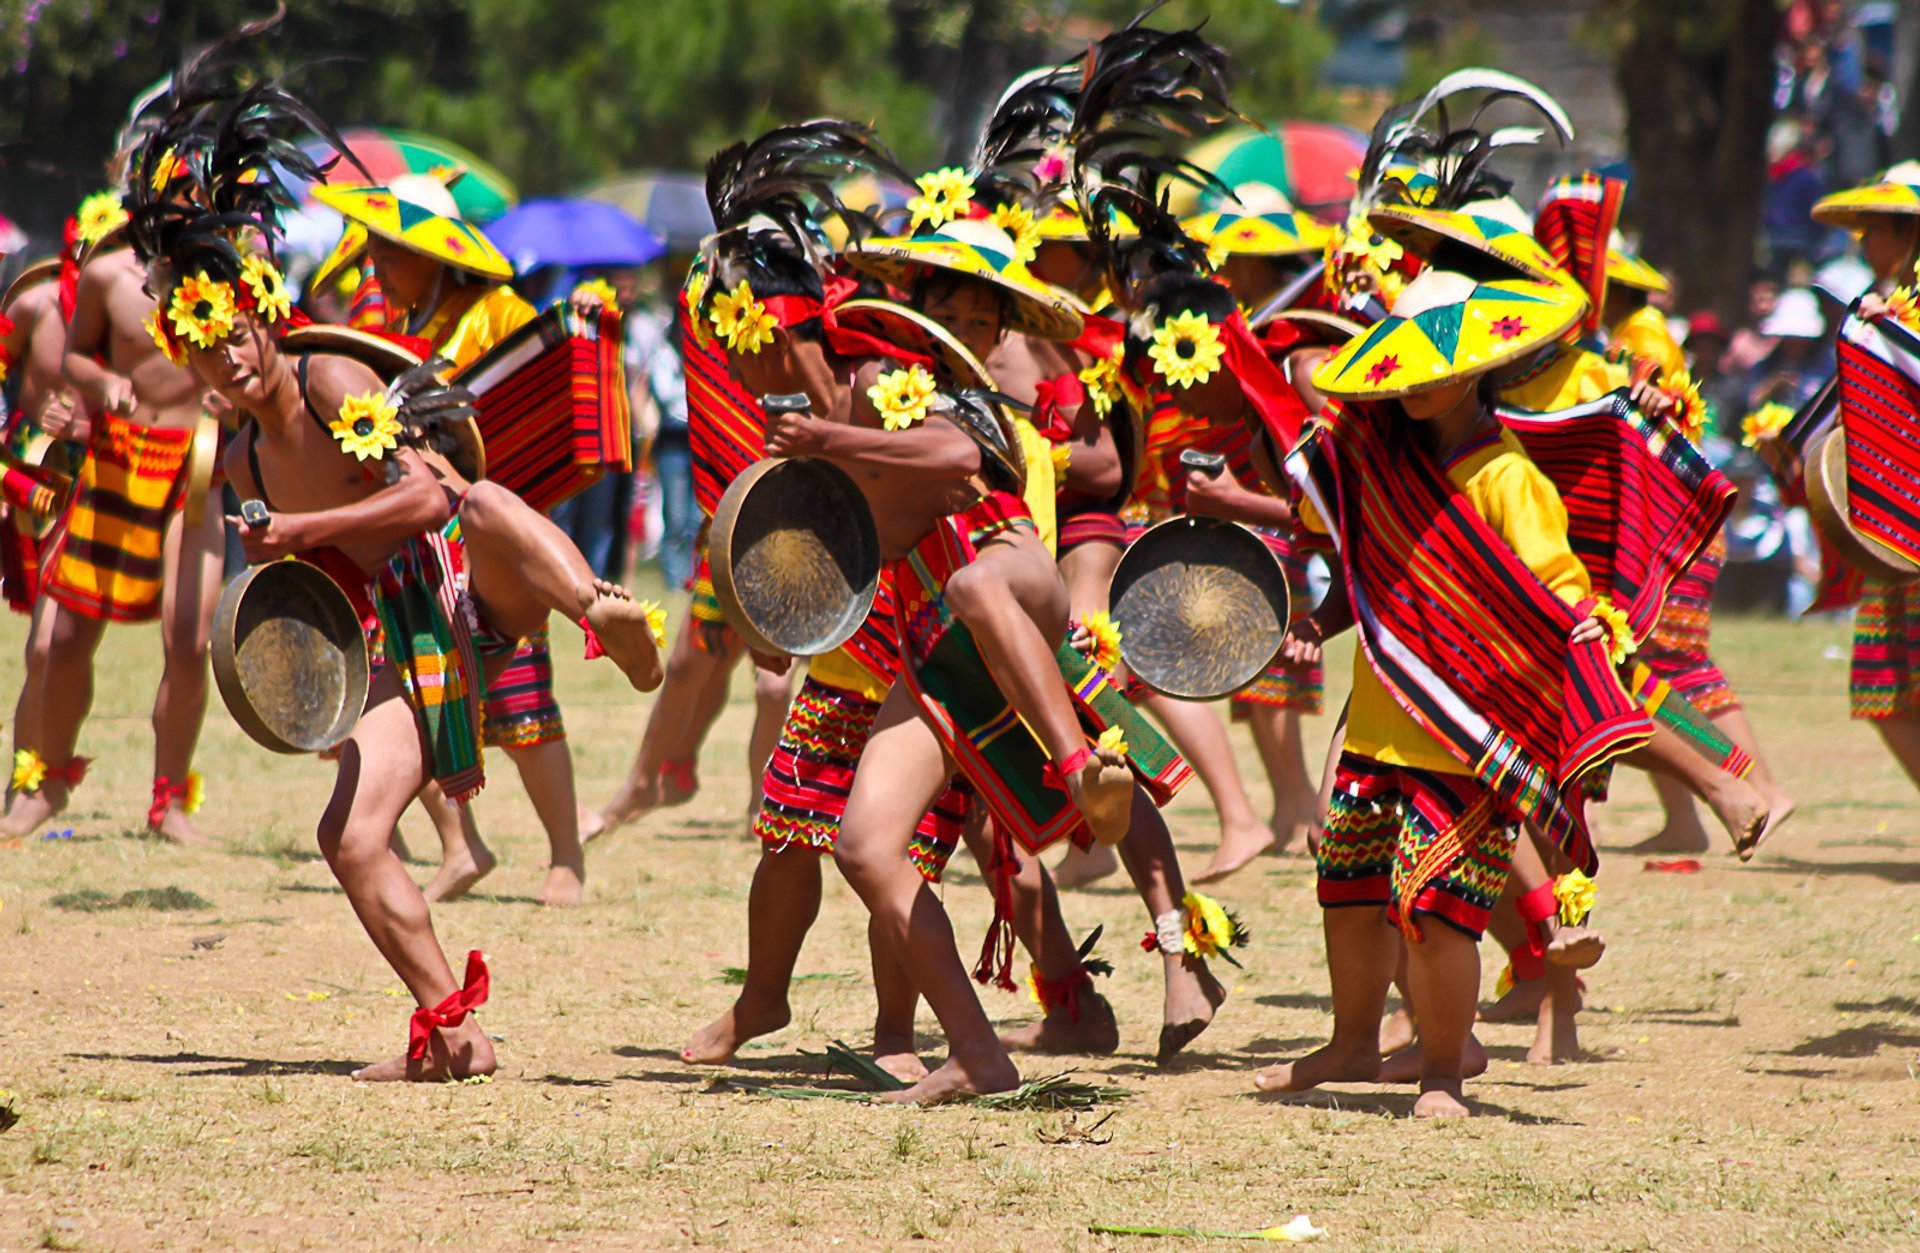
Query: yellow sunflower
1106	639
196	793
99	215
1187	349
1690	411
1018	222
29	770
368	426
1575	893
945	194
270	298
1904	307
1619	630
1102	381
696	289
901	397
742	321
1062	457
202	310
599	287
163	341
656	622
1211	930
1112	740
1764	423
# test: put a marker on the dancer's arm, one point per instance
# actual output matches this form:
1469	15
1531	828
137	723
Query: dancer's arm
1221	496
398	511
103	390
934	449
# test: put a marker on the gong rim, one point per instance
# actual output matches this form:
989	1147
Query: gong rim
201	457
260	706
775	498
48	460
1153	599
1826	482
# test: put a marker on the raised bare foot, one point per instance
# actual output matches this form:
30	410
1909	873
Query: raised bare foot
176	828
621	623
1082	866
1093	1033
896	1056
27	812
1520	1004
1404	1066
1576	947
1331	1063
590	822
720	1039
636	796
1193	994
458	873
1441	1098
957	1080
1676	837
452	1053
1103	792
564	888
1238	846
1743	812
1397	1031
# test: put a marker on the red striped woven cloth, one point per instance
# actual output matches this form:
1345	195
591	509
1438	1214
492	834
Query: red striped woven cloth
1880	416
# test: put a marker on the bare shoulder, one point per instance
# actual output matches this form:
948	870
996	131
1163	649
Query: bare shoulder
332	378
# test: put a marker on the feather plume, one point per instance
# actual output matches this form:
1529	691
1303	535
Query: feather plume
432	411
1029	122
1458	155
783	181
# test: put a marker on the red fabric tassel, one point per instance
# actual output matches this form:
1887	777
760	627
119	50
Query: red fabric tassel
1056	773
165	792
996	953
454	1010
1050	397
1062	993
1534	908
70	774
680	774
594	648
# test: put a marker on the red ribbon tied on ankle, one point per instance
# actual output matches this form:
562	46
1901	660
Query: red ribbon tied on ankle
1056	773
165	792
681	774
451	1012
594	647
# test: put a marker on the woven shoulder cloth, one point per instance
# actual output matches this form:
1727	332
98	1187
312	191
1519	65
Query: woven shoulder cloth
1642	501
1466	638
726	429
1880	417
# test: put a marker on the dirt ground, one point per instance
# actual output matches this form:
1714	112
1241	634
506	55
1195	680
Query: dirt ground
180	1074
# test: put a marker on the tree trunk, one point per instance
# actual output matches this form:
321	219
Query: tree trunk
1697	119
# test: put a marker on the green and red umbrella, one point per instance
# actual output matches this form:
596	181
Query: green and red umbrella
1312	162
483	193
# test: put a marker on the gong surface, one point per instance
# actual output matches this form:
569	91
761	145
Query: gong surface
1202	607
795	556
290	657
1826	479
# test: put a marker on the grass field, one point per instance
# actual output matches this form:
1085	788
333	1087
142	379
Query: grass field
1754	1036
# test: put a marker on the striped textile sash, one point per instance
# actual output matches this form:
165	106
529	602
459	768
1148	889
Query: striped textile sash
1666	705
1642	502
425	619
109	564
1573	222
520	709
726	430
1467	639
1880	418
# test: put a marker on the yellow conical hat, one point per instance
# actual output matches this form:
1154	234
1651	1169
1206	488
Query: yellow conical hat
1263	223
979	250
1628	270
1895	191
417	211
1446	327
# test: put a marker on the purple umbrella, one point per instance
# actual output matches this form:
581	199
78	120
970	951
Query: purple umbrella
573	233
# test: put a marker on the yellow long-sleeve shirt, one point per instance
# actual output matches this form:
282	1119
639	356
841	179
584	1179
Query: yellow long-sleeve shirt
472	319
1645	333
1524	509
1573	377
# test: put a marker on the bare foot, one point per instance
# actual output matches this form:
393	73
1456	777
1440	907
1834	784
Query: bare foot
176	828
1083	866
636	796
29	811
720	1039
458	873
591	824
621	623
452	1053
1332	1063
1103	792
1556	1034
1678	836
1397	1031
1290	827
897	1057
564	888
1093	1033
1780	807
956	1080
1743	812
1193	994
1520	1004
1443	1099
1238	846
1576	947
1405	1066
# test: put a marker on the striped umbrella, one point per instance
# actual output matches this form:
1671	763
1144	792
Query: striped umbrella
483	194
672	203
1312	162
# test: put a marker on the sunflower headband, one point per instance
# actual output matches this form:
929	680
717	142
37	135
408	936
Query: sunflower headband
201	309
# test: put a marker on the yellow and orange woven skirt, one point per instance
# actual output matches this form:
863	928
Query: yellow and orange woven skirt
108	564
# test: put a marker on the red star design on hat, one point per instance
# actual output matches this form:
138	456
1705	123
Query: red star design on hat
1507	328
454	246
1383	369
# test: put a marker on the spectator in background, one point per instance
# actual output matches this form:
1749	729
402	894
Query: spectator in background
1793	184
656	375
1706	345
1796	367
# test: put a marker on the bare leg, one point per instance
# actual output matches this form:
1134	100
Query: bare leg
1902	736
523	567
73	639
381	769
690	701
1504	924
901	772
546	771
1192	993
1681	831
1556	1033
465	858
1088	571
1443	973
1196	730
893	990
1740	808
26	711
1362	950
772	695
781	907
191	563
1278	735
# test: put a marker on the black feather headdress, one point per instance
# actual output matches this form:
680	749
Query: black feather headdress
1454	159
436	415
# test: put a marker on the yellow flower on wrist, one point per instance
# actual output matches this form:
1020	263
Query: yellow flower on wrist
1903	305
901	397
99	215
1690	411
656	622
1062	457
1619	631
945	195
368	426
1106	639
1017	221
1112	740
744	322
201	310
1764	423
1211	930
270	297
29	771
1575	892
1187	349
